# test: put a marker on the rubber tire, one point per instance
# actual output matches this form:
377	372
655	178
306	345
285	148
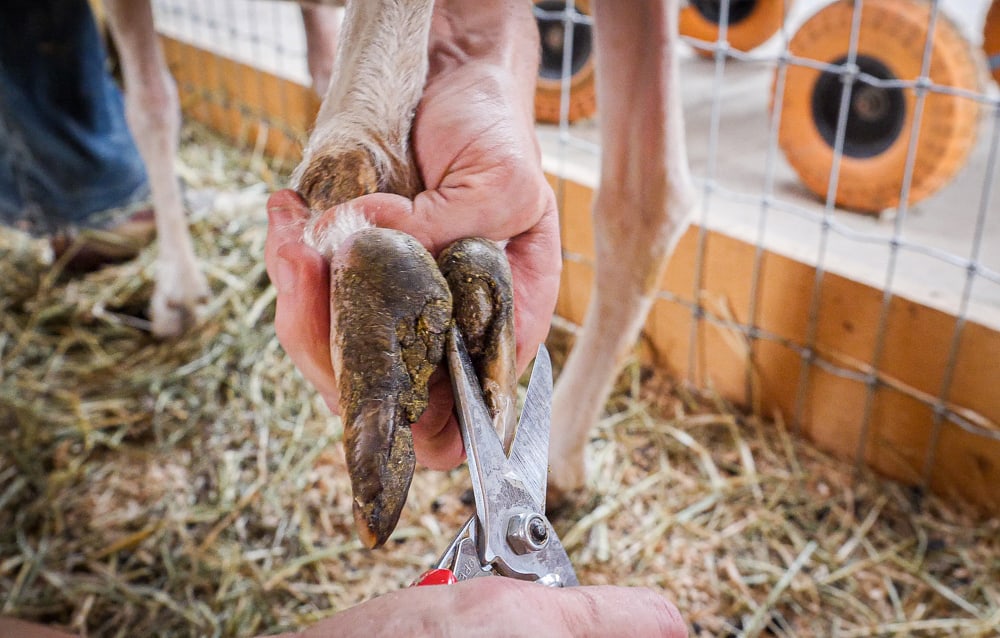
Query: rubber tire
753	30
894	33
582	92
991	39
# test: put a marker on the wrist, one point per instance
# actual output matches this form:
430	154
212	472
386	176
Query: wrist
501	33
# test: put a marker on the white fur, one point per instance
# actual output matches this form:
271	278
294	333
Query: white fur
327	238
374	90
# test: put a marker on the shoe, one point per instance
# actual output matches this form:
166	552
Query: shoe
89	250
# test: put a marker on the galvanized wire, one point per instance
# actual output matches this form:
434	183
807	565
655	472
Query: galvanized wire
766	204
941	412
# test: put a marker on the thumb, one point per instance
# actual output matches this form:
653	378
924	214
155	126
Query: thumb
435	219
387	210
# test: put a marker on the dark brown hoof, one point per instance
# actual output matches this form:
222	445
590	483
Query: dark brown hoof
390	311
483	298
561	503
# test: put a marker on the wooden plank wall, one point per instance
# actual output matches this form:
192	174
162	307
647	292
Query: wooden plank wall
911	372
250	106
267	112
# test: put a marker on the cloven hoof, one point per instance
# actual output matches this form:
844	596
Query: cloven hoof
391	307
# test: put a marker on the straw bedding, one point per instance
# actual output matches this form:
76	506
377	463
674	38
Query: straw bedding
197	487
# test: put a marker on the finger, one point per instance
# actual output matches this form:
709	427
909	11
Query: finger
536	263
619	611
302	309
286	217
437	442
302	317
438	218
380	209
473	606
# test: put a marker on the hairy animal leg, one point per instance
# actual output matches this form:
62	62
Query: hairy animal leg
640	212
361	141
153	113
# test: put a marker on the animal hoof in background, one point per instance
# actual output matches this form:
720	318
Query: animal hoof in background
479	276
390	311
559	501
177	301
567	480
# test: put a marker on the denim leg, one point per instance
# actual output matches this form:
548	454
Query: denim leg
67	158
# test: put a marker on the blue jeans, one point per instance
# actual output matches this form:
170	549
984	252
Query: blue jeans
67	159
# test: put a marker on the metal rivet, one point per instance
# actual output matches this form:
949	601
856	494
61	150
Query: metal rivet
527	532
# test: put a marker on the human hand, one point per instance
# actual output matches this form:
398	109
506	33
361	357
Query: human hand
471	608
489	607
475	147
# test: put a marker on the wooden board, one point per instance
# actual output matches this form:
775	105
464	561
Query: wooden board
273	114
252	107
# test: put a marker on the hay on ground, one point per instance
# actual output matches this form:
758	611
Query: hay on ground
197	487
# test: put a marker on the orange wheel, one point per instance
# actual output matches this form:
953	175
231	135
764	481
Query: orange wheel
548	93
880	119
991	39
751	22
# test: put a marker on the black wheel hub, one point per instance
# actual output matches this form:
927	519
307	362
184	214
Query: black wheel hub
711	10
552	33
875	114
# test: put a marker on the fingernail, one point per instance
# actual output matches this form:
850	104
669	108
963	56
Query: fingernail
286	274
283	205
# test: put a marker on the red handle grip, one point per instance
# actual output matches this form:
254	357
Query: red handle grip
436	577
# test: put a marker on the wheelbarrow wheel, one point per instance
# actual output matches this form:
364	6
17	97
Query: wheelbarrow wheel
991	39
880	119
751	22
548	92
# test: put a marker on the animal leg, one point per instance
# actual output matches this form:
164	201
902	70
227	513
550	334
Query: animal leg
640	211
153	114
322	29
361	141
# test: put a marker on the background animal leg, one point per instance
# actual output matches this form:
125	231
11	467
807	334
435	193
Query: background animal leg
322	28
640	212
153	114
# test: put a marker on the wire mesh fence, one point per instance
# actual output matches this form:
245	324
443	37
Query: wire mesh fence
233	69
930	235
941	251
